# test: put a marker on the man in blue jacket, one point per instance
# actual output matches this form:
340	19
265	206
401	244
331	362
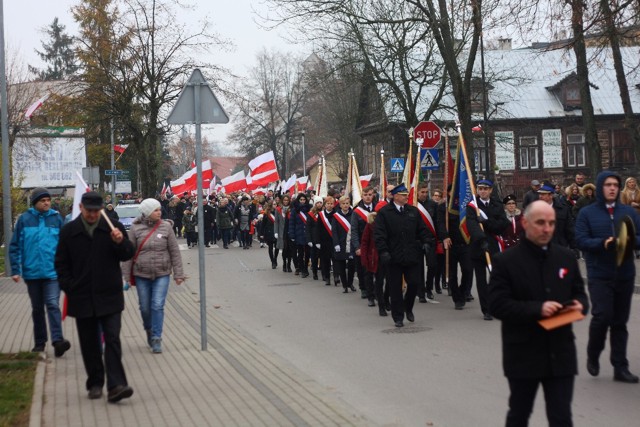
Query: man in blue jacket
610	286
31	252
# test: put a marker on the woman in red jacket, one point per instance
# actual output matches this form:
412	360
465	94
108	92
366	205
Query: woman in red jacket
369	260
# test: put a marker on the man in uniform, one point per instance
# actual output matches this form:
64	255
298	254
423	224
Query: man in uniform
534	280
428	209
88	265
564	230
358	223
610	286
402	241
453	241
485	223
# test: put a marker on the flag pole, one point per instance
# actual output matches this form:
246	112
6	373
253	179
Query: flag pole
445	191
473	191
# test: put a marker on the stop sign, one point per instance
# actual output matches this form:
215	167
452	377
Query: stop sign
429	132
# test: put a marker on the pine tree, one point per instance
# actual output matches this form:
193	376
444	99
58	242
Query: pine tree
57	52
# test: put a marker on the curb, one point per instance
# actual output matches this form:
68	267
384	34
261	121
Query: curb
35	415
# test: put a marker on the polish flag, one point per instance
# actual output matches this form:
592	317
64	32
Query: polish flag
80	189
302	183
289	186
120	148
476	128
33	107
235	182
250	183
264	169
365	180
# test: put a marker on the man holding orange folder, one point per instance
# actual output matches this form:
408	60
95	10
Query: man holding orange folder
537	291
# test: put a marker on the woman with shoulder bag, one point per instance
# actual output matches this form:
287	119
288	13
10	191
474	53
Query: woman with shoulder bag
157	253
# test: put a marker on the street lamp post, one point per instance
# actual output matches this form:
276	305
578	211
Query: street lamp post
304	158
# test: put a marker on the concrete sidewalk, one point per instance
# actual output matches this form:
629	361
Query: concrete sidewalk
236	382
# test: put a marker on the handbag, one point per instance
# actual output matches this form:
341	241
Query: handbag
132	278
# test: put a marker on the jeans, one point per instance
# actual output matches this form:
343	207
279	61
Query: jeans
151	296
45	292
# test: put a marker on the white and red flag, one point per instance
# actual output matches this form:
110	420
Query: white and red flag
365	180
290	185
188	181
302	183
33	107
264	169
235	182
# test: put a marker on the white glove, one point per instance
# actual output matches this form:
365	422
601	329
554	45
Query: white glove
337	248
310	244
318	245
275	235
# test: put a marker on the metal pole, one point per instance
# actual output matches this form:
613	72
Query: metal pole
6	176
113	166
304	159
200	193
484	111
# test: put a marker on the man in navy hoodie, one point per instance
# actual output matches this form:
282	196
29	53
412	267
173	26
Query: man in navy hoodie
610	287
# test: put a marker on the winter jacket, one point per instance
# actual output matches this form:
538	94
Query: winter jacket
358	223
88	268
298	223
368	251
564	231
33	245
224	218
341	236
400	234
523	278
491	229
310	230
190	222
594	225
281	227
267	227
514	232
160	253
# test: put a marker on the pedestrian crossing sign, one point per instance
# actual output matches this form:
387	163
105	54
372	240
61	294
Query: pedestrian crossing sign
429	159
397	164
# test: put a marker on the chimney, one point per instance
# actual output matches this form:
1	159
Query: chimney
504	44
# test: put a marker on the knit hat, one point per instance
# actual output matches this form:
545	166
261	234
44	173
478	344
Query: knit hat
317	199
148	206
39	193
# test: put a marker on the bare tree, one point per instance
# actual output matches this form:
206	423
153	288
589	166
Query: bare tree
268	105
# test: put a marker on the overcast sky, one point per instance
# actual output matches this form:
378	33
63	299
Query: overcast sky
234	20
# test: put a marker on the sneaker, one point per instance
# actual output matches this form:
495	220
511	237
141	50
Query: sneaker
148	331
156	345
61	347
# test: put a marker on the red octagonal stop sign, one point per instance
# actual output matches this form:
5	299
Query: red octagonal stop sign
429	132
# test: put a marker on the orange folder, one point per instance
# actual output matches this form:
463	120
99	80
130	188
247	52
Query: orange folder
561	319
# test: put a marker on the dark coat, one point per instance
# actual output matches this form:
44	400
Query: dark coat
89	268
267	227
594	225
564	231
454	226
281	227
357	226
400	234
514	232
297	226
322	234
209	216
431	207
523	277
341	236
493	227
310	230
224	218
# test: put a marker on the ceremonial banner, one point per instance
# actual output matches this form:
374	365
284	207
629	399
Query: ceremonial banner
462	187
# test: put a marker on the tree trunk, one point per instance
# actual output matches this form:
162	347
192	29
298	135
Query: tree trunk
631	123
594	152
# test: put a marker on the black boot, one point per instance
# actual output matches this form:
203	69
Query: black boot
315	275
274	265
346	290
381	311
288	266
284	267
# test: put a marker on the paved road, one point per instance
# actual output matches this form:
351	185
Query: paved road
444	370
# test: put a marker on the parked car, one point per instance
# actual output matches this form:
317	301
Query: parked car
127	213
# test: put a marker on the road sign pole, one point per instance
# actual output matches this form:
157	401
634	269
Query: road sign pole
200	198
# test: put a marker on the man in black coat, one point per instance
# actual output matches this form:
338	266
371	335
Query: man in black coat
402	241
209	218
485	223
564	230
359	220
88	266
532	281
428	210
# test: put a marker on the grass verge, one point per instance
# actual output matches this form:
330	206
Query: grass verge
17	373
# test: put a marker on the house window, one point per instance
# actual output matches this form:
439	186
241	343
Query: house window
572	95
529	152
480	155
622	149
576	150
